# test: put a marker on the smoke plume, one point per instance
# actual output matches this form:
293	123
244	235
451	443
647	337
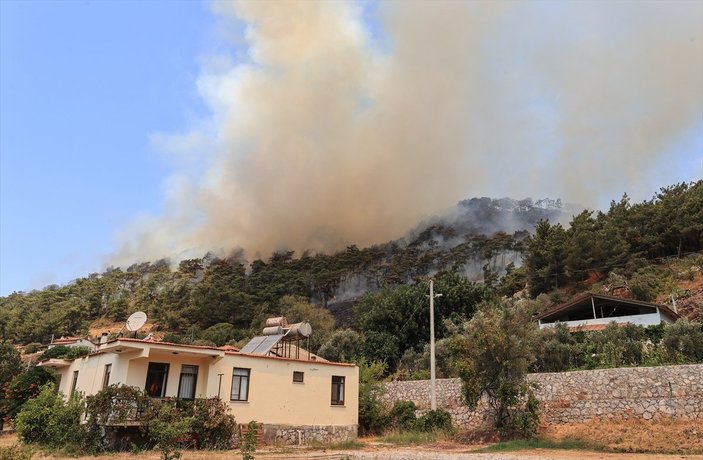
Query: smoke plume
348	122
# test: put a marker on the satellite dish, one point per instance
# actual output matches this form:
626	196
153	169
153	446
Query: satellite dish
135	321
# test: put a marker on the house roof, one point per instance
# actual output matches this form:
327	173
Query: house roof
584	300
124	343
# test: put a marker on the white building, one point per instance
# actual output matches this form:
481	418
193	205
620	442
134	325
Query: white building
595	311
312	397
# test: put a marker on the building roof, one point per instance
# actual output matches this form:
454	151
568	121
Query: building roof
121	344
585	301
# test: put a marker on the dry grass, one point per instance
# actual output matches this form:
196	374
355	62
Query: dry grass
660	436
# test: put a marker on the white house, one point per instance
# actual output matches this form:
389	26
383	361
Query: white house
595	311
303	394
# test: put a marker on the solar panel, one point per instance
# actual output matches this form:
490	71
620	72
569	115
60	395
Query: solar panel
261	345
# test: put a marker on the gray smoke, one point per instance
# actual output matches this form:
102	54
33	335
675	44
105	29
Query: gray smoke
329	132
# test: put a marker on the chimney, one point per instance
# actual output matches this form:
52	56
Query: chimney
103	338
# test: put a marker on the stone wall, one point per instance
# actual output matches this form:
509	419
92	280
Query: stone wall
570	397
290	434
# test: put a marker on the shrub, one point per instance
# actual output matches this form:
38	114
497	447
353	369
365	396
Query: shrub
16	452
683	341
31	348
49	421
64	352
248	444
402	415
212	424
26	386
373	416
117	404
493	354
435	420
165	425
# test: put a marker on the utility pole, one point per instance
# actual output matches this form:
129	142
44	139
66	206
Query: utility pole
433	393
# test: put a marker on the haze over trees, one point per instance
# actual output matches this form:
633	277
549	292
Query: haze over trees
372	302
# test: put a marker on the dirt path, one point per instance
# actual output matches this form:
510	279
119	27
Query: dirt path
439	451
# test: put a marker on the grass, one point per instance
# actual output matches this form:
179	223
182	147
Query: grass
525	444
352	444
411	437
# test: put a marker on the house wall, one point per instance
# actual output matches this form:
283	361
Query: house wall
572	397
649	319
291	412
276	400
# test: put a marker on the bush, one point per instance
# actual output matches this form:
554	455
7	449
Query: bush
212	424
166	425
373	416
402	415
435	420
16	452
25	386
683	341
49	421
248	444
31	348
64	352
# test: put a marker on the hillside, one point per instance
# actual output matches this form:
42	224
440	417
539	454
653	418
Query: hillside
649	250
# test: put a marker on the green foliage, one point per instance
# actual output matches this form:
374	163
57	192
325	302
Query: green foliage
10	366
556	345
49	421
373	416
212	423
64	352
683	341
117	404
31	348
165	425
16	452
297	309
396	318
221	333
344	346
667	225
25	386
493	353
402	415
435	420
248	443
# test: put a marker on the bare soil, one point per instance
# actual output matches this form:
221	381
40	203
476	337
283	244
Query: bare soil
666	435
634	440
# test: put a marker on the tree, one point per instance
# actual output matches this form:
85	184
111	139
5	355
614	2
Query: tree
493	352
297	309
25	386
10	366
344	345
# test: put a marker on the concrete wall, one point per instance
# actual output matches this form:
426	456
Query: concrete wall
571	397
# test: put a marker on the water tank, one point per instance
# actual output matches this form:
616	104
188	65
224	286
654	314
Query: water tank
302	329
273	330
278	321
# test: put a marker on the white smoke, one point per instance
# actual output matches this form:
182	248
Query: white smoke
324	135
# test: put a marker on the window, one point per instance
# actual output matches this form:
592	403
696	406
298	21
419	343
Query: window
186	384
337	390
106	375
156	376
240	384
74	382
298	376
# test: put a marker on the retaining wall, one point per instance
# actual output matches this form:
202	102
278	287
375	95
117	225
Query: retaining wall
578	396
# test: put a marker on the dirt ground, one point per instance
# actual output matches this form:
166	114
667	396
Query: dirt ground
438	451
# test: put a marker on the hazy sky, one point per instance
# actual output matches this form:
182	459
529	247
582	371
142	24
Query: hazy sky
140	129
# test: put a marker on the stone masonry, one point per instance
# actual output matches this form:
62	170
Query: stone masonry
571	397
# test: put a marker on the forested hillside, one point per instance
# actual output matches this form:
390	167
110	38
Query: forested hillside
482	249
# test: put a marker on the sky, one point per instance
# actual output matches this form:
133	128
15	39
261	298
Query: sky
132	130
